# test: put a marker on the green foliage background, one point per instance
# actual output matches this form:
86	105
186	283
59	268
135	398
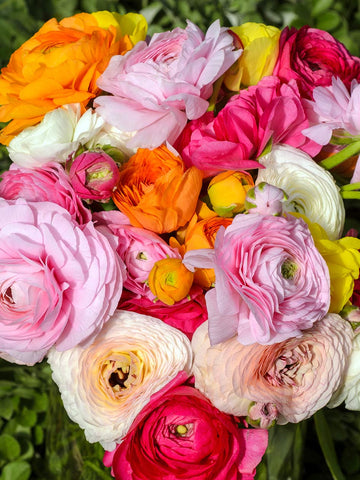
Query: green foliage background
37	440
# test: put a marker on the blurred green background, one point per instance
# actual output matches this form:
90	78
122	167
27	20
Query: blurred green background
37	440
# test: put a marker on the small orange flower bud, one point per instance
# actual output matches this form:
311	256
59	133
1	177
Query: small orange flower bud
170	281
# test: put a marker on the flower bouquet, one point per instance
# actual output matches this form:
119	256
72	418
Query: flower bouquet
172	241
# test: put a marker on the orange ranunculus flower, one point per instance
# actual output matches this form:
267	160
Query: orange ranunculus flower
59	65
200	233
170	281
156	192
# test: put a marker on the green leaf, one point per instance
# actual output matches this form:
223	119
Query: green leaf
7	407
320	6
16	471
27	417
281	439
41	402
328	20
151	11
38	435
327	445
9	447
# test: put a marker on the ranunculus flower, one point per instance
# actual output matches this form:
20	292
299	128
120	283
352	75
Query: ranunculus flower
60	281
355	298
342	257
48	183
58	65
349	390
312	57
138	248
311	189
298	376
227	192
185	315
265	199
155	88
106	384
170	281
156	192
94	175
181	435
271	281
202	234
236	137
261	47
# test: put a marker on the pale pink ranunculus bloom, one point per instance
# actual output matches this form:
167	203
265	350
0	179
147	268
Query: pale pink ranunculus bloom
271	281
60	281
238	134
105	385
334	107
47	183
297	376
179	435
155	88
138	248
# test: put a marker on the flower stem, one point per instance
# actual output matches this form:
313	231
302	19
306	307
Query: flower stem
351	186
344	154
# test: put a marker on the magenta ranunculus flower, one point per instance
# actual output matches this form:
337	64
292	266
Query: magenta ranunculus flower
181	435
186	315
59	281
48	183
312	57
155	88
138	248
237	136
94	175
271	281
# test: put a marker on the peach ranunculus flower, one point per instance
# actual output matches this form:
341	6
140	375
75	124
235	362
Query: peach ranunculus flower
59	65
156	192
296	377
105	385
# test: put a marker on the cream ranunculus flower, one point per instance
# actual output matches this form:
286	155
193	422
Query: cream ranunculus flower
312	190
55	138
105	385
296	377
350	389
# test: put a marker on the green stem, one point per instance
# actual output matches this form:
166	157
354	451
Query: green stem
350	195
351	186
341	156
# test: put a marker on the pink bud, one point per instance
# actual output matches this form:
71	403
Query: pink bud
94	175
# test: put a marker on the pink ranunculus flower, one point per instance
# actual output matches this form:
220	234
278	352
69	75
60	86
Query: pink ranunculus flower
155	88
334	108
47	183
181	435
60	281
295	377
271	281
236	137
94	175
138	248
185	315
265	199
312	57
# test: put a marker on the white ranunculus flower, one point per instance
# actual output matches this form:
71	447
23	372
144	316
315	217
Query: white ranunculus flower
105	385
50	140
311	189
350	390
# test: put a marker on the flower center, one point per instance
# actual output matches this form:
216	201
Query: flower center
181	430
118	378
289	269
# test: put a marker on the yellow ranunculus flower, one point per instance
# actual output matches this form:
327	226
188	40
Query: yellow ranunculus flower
261	48
227	192
132	24
343	260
